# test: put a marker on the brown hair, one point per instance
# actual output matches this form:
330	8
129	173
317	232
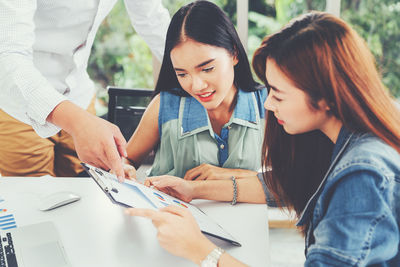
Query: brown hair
326	59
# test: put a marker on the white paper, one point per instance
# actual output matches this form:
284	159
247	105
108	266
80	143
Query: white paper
137	195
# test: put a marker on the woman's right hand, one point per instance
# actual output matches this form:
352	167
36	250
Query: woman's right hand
173	186
178	232
129	170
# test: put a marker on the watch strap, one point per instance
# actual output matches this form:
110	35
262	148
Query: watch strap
212	259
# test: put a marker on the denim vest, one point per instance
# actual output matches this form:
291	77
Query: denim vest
354	214
187	138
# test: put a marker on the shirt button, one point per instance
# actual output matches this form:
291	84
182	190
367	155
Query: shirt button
222	146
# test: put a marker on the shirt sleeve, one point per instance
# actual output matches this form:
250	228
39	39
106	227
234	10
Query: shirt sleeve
268	196
359	227
150	20
24	93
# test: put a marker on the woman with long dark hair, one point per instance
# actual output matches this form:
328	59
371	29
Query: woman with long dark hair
207	119
331	148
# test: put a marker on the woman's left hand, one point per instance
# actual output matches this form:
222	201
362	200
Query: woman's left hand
208	172
173	186
178	232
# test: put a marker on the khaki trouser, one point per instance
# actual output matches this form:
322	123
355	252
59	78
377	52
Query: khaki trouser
24	153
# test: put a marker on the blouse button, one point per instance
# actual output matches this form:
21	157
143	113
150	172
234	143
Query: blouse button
222	146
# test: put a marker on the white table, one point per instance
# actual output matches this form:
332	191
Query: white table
96	232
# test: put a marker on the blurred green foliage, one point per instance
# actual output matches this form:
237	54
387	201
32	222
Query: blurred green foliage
379	25
121	58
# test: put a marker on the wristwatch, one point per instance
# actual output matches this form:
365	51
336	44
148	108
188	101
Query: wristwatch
212	259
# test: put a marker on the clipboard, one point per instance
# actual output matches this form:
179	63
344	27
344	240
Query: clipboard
132	194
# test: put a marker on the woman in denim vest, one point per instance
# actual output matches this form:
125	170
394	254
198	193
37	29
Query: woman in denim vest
207	119
333	142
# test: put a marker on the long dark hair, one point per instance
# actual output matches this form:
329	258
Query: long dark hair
326	59
204	22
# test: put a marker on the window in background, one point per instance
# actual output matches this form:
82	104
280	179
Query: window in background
121	58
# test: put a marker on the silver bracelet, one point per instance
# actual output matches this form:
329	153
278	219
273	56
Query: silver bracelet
212	259
234	190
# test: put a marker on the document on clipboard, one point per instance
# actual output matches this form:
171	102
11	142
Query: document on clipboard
136	195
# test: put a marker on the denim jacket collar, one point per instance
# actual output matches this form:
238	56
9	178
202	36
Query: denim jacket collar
342	141
193	116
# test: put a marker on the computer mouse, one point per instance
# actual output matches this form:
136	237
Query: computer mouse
57	200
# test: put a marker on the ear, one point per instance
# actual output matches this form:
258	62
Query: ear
235	60
323	105
235	57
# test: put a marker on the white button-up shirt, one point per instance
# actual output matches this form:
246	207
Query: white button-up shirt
45	47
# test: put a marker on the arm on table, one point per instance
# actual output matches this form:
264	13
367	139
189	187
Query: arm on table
249	189
211	172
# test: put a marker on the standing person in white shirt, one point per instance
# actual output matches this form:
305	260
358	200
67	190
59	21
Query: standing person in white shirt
44	86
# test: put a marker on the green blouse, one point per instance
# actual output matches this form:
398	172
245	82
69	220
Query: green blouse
187	139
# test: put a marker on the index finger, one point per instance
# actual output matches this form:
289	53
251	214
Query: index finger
120	142
180	211
146	213
114	161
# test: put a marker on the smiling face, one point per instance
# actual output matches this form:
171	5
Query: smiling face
205	72
292	109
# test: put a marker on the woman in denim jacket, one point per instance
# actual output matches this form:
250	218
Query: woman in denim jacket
333	142
333	139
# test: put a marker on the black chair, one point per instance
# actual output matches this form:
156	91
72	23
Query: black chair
126	107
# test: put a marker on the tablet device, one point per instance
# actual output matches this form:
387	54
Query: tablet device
134	194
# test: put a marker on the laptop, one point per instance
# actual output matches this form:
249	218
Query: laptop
34	245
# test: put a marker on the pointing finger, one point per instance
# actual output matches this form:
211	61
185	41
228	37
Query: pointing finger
146	213
114	162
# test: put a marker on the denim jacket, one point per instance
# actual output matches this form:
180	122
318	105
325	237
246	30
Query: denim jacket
354	216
